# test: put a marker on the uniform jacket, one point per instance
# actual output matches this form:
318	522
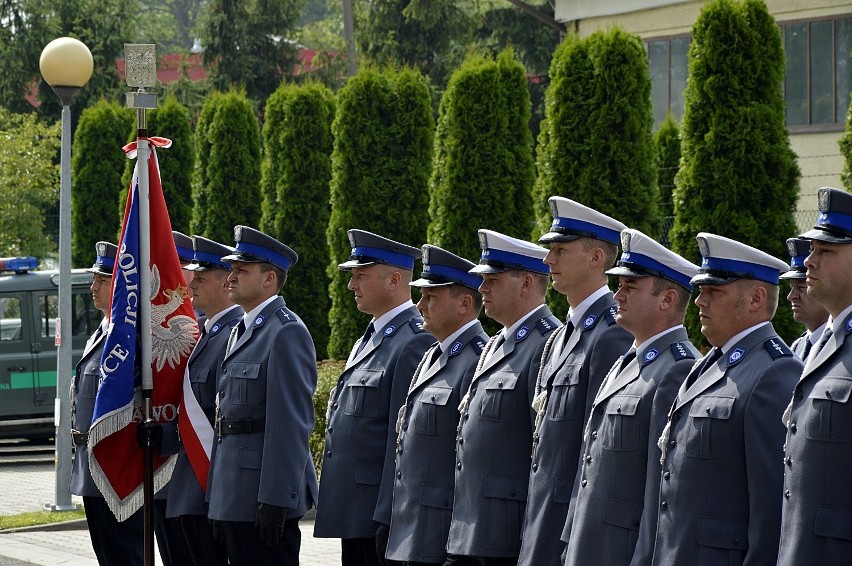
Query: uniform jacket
186	496
572	375
84	389
270	372
817	502
800	346
627	418
723	458
360	436
426	451
494	444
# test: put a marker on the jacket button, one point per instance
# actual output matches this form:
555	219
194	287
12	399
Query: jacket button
588	459
458	465
793	428
828	393
461	440
363	380
399	475
334	406
786	494
667	475
664	505
535	467
328	454
671	442
293	494
788	461
433	397
500	383
330	429
224	370
618	410
512	493
707	410
244	372
799	394
594	434
584	483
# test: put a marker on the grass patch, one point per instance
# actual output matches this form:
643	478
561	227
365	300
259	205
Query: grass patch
34	518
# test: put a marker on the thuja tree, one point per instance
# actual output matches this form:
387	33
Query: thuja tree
383	135
295	185
483	170
738	176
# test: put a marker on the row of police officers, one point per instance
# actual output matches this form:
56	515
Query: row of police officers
604	440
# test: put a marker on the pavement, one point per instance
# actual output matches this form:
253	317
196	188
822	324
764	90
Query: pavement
29	486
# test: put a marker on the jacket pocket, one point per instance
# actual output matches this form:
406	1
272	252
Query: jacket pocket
710	430
833	522
368	473
567	399
722	533
434	415
363	393
244	380
498	400
831	417
622	514
505	501
619	429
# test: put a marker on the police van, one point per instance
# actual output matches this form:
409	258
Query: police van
29	305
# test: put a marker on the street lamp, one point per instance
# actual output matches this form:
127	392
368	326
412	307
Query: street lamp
66	65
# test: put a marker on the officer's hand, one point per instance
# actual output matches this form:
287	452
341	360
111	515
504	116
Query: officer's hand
150	433
270	523
382	534
216	530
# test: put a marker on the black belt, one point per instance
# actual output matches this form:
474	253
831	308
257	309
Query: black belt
239	426
80	438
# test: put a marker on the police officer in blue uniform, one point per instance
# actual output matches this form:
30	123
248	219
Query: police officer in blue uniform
210	294
805	310
619	465
356	488
114	542
583	245
721	448
426	428
496	426
817	494
262	477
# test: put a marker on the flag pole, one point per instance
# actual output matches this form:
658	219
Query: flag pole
141	66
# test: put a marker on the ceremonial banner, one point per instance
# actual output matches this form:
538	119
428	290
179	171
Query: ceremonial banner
115	459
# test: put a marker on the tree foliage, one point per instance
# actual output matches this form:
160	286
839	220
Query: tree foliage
170	120
595	144
247	44
846	151
738	176
172	24
667	158
383	136
295	188
97	165
29	182
226	179
483	170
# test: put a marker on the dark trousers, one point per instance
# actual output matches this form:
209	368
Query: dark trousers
359	552
171	541
456	560
205	550
244	546
115	543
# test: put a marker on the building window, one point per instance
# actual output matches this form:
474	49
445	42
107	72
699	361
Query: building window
819	72
668	63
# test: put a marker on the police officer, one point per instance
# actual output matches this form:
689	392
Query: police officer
210	294
721	448
619	468
360	441
262	477
583	245
426	443
805	309
495	430
114	542
185	252
817	494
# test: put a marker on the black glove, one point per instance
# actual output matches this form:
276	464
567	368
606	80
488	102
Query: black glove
270	523
382	534
216	530
150	433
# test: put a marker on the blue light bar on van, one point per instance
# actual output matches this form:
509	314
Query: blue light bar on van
18	264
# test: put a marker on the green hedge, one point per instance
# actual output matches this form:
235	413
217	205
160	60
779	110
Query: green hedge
383	136
738	176
328	372
294	184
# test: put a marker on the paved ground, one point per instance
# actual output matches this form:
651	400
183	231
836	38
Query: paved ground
28	486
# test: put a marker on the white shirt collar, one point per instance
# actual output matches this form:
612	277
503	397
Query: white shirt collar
249	317
641	348
380	323
730	343
837	324
208	324
576	315
448	341
511	330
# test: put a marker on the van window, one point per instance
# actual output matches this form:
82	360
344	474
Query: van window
84	315
10	319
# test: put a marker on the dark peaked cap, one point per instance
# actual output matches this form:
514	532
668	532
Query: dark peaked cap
834	222
106	253
798	248
183	244
253	246
208	255
442	268
369	249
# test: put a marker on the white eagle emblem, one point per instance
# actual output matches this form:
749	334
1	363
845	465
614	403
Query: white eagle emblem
174	338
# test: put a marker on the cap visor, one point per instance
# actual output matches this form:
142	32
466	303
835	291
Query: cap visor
242	258
199	267
826	236
551	237
793	274
429	283
100	271
707	279
485	268
621	271
352	263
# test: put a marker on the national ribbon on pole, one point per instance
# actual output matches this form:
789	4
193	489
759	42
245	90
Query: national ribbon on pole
115	458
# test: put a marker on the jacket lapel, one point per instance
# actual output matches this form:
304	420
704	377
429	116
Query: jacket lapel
618	382
379	335
259	321
835	343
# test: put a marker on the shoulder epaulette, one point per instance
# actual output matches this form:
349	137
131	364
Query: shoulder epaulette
285	315
478	344
416	325
547	324
777	348
681	352
610	314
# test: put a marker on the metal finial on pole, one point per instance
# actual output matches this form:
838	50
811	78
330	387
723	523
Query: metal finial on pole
141	73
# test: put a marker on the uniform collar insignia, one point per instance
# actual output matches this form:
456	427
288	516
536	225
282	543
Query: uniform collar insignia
216	328
650	356
589	322
389	330
735	356
522	333
258	321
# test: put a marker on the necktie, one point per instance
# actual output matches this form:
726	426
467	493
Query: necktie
626	359
826	334
436	353
368	333
714	355
241	327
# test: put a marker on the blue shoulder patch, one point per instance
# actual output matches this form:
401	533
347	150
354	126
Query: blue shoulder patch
478	345
547	324
455	349
650	356
610	314
284	316
736	356
681	352
416	325
777	348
